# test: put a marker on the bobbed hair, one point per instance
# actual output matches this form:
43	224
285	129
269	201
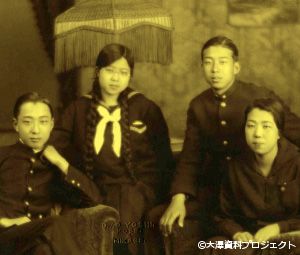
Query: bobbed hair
270	105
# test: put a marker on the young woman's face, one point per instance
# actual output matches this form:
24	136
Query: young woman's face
219	68
34	124
113	79
261	131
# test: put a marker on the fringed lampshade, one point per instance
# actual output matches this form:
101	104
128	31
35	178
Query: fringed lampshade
143	26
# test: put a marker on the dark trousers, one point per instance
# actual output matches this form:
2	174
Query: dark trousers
25	239
198	226
78	232
183	240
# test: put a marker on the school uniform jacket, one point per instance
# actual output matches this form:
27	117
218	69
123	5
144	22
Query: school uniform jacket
250	201
215	133
149	142
30	187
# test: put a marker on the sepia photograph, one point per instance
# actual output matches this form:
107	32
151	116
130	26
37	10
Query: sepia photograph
263	13
150	127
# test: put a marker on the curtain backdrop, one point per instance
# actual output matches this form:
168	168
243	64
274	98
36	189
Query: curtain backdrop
45	12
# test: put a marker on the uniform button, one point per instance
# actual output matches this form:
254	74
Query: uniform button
78	184
31	171
26	203
282	189
223	104
32	160
225	142
224	96
29	188
28	215
40	216
73	181
284	183
223	122
228	158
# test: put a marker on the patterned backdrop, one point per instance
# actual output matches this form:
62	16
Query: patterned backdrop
269	55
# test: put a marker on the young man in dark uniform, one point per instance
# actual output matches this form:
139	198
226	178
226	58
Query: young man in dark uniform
33	177
214	134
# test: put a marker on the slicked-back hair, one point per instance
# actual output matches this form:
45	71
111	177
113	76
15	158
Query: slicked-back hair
33	97
224	42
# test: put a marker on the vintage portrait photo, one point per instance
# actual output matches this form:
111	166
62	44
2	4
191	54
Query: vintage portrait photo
150	127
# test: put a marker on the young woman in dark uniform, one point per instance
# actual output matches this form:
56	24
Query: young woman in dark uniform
260	194
120	138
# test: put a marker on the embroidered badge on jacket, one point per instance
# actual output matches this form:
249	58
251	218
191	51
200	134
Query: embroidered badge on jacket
138	127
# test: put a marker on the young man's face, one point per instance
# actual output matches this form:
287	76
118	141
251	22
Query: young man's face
219	68
34	124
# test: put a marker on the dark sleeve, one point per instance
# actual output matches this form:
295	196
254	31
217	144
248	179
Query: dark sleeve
65	136
292	122
3	156
189	165
292	223
75	189
227	209
87	187
159	137
62	134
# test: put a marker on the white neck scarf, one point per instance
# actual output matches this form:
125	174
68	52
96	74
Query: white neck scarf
113	117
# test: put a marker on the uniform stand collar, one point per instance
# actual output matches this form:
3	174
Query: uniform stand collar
227	93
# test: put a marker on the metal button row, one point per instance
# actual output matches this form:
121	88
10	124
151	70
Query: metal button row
283	188
40	216
74	182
